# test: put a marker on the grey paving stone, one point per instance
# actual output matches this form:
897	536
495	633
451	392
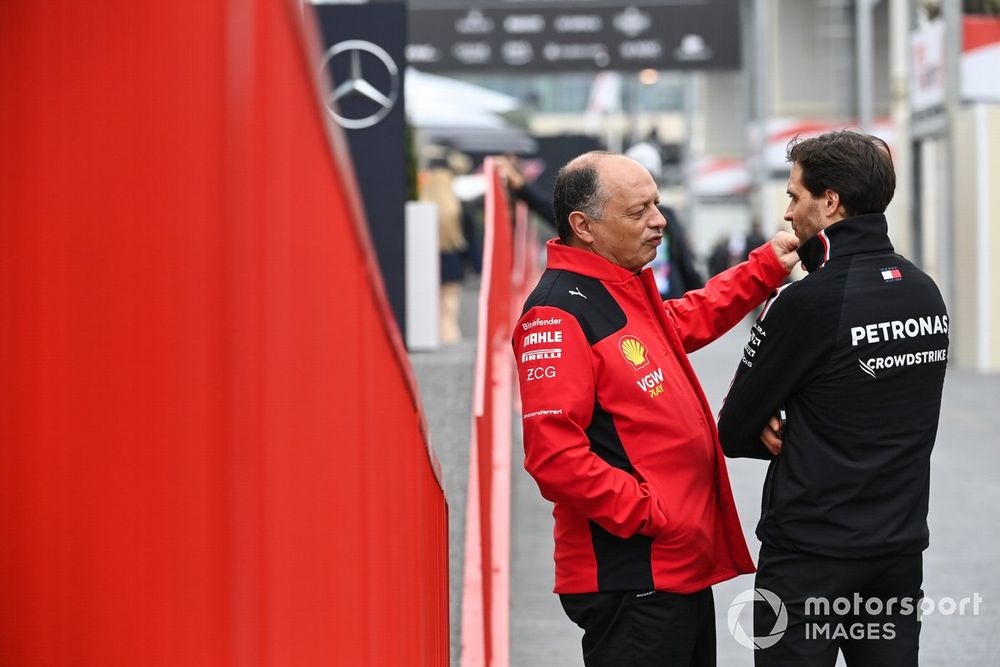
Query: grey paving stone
444	379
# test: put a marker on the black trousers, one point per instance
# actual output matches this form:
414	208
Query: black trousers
645	629
866	608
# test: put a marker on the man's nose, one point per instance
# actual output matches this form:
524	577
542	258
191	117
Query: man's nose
658	222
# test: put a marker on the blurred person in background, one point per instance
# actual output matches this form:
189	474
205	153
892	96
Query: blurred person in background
751	239
730	250
618	433
673	266
436	184
718	258
840	389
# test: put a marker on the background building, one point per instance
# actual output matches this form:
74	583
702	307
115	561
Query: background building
919	74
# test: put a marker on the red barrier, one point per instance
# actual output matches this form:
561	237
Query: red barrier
211	452
486	586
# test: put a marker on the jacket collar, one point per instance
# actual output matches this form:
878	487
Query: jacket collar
563	257
850	236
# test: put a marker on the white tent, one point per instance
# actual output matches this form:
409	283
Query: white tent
462	114
436	100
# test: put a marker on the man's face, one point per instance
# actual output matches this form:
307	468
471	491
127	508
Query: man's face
632	226
804	210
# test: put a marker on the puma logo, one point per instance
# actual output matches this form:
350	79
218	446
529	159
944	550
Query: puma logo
577	292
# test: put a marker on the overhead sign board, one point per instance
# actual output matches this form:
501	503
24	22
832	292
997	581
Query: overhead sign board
505	36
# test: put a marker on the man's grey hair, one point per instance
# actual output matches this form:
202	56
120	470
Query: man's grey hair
578	188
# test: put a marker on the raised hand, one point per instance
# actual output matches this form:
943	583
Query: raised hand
785	245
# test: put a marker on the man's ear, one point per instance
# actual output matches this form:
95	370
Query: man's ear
832	207
580	225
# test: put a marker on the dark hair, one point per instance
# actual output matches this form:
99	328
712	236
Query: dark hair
856	166
578	188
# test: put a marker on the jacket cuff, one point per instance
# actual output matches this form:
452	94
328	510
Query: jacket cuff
771	268
657	522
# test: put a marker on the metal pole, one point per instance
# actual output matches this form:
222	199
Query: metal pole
952	12
634	113
863	10
614	117
690	107
759	95
901	225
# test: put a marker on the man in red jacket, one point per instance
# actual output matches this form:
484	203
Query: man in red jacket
617	431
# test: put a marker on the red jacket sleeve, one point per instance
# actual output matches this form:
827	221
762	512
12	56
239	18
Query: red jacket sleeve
556	378
701	316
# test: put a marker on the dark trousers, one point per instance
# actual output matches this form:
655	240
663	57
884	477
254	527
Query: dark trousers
840	604
645	629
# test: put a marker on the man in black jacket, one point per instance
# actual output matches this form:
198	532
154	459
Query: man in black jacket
840	389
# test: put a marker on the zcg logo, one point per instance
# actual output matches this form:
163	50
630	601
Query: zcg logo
540	373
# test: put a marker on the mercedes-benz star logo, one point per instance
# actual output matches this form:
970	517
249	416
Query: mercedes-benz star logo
372	103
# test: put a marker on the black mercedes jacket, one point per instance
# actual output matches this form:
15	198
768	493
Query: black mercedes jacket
855	353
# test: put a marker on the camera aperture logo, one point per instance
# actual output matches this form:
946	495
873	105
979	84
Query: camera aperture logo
740	634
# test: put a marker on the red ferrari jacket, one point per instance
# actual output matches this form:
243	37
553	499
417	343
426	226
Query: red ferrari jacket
617	431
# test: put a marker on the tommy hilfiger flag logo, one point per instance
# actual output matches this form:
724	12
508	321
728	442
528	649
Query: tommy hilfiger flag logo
891	275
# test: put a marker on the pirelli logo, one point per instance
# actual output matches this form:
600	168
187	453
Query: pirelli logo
535	355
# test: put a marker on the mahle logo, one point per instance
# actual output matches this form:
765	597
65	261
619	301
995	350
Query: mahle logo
777	606
634	351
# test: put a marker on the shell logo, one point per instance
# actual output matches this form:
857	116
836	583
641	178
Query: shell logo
634	351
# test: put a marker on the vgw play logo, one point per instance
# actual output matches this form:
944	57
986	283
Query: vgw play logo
740	634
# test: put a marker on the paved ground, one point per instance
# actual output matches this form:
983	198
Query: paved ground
444	378
965	514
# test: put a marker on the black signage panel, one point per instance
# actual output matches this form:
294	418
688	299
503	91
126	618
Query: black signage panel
558	37
363	65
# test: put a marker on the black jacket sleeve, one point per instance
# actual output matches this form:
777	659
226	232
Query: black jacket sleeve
787	346
684	261
539	201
